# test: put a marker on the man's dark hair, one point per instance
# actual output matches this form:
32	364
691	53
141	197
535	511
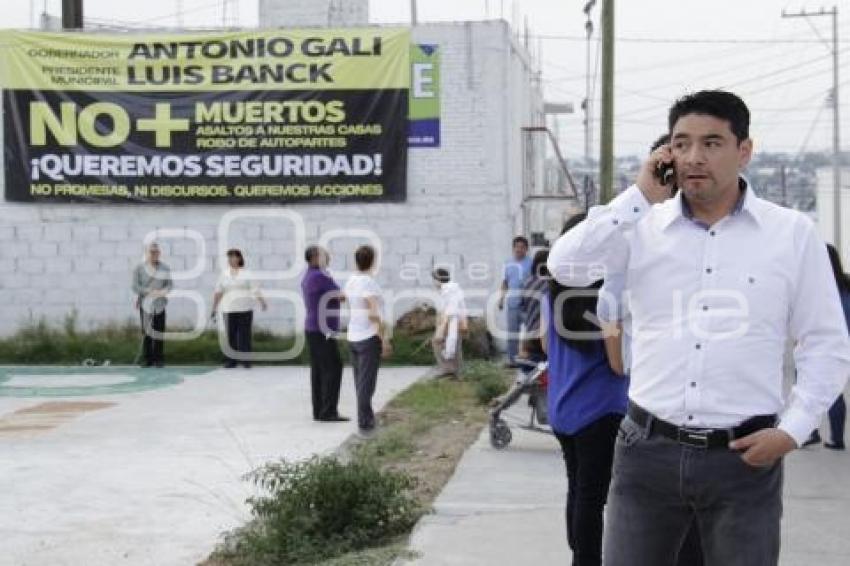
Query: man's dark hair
441	275
238	255
662	140
575	302
364	257
311	253
717	103
520	240
538	264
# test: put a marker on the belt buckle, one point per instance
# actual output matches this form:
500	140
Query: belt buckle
694	437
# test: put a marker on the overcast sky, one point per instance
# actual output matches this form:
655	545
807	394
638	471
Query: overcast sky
784	79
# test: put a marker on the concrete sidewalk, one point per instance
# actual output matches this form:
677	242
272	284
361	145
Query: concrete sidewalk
150	474
506	508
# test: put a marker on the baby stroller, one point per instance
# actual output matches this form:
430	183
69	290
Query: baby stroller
533	379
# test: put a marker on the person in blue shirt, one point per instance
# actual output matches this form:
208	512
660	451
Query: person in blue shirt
516	271
587	401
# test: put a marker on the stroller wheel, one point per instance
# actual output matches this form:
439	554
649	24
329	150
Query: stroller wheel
500	434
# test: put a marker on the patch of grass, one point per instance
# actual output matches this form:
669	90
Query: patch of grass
379	556
393	445
422	434
66	344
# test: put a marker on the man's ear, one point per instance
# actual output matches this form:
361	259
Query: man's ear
745	153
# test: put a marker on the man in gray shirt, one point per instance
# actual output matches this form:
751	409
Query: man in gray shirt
151	284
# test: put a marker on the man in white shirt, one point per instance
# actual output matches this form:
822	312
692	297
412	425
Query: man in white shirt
718	279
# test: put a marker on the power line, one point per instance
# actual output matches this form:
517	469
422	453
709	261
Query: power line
805	143
760	61
677	40
798	78
784	69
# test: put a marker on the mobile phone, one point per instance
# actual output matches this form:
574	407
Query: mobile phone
666	174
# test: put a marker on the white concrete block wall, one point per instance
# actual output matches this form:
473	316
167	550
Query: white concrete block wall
462	204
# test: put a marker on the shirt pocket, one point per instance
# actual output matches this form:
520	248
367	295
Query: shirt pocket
766	293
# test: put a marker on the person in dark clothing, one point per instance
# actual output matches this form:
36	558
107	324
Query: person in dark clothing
587	401
838	411
321	325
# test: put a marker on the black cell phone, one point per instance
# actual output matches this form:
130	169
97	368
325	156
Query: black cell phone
666	174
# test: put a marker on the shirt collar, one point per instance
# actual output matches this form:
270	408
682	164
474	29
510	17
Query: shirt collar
677	207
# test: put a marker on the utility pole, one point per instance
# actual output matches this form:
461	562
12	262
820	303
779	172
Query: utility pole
836	130
588	87
414	19
72	14
606	145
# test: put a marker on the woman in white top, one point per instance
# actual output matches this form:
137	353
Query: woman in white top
367	338
237	292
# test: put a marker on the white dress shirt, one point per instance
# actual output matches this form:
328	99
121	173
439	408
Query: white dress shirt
712	307
612	308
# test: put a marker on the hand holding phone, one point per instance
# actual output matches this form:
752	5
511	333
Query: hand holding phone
665	173
657	177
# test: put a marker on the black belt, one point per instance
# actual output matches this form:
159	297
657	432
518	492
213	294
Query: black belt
698	437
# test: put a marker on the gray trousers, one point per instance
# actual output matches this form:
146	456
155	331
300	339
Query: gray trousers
365	361
660	488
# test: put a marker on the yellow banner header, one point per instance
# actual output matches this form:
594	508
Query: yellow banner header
309	59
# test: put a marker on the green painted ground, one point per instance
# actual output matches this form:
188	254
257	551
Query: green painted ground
48	381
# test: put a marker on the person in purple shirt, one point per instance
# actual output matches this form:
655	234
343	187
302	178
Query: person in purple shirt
587	400
321	298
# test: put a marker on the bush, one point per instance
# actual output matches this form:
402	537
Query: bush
489	382
320	509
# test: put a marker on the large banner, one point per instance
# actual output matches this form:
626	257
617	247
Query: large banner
245	117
